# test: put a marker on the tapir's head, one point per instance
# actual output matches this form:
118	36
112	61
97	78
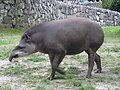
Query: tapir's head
25	47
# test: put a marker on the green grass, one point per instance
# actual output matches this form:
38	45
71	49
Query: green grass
37	58
8	36
9	40
4	53
46	81
112	32
11	31
85	88
30	79
115	70
100	79
72	71
39	88
82	58
17	70
74	83
115	49
5	86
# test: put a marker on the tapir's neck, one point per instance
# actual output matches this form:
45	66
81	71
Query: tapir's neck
42	48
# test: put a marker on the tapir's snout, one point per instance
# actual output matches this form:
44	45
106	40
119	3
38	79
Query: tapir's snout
12	55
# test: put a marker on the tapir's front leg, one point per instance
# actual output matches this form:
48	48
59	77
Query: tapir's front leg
55	61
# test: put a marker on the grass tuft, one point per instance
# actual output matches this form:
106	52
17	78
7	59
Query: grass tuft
75	83
115	70
4	53
39	88
85	88
17	70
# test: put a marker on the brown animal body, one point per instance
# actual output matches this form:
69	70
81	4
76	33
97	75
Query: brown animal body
62	37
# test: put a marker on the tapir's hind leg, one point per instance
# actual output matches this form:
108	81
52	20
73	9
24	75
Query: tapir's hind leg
91	58
55	61
98	63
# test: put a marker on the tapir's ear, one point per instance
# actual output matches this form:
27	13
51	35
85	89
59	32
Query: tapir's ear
27	37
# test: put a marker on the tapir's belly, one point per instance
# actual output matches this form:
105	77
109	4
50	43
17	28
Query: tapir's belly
72	52
76	48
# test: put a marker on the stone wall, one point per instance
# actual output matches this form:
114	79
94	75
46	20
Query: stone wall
85	2
102	16
30	12
27	12
93	4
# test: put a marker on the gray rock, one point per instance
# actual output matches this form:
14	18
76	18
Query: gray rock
11	12
7	7
2	11
6	1
1	18
20	12
2	6
22	5
7	20
27	1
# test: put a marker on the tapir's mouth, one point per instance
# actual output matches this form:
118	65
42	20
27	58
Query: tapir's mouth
16	56
11	57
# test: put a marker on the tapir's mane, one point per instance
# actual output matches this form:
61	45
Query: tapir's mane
35	29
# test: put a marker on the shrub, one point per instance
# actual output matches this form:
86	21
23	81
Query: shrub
106	4
115	5
111	4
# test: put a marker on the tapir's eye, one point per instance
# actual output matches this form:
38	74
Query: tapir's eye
21	47
28	41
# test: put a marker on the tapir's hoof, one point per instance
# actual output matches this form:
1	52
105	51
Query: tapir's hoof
62	72
51	78
98	71
88	76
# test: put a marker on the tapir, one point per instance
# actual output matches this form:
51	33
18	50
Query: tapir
62	37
